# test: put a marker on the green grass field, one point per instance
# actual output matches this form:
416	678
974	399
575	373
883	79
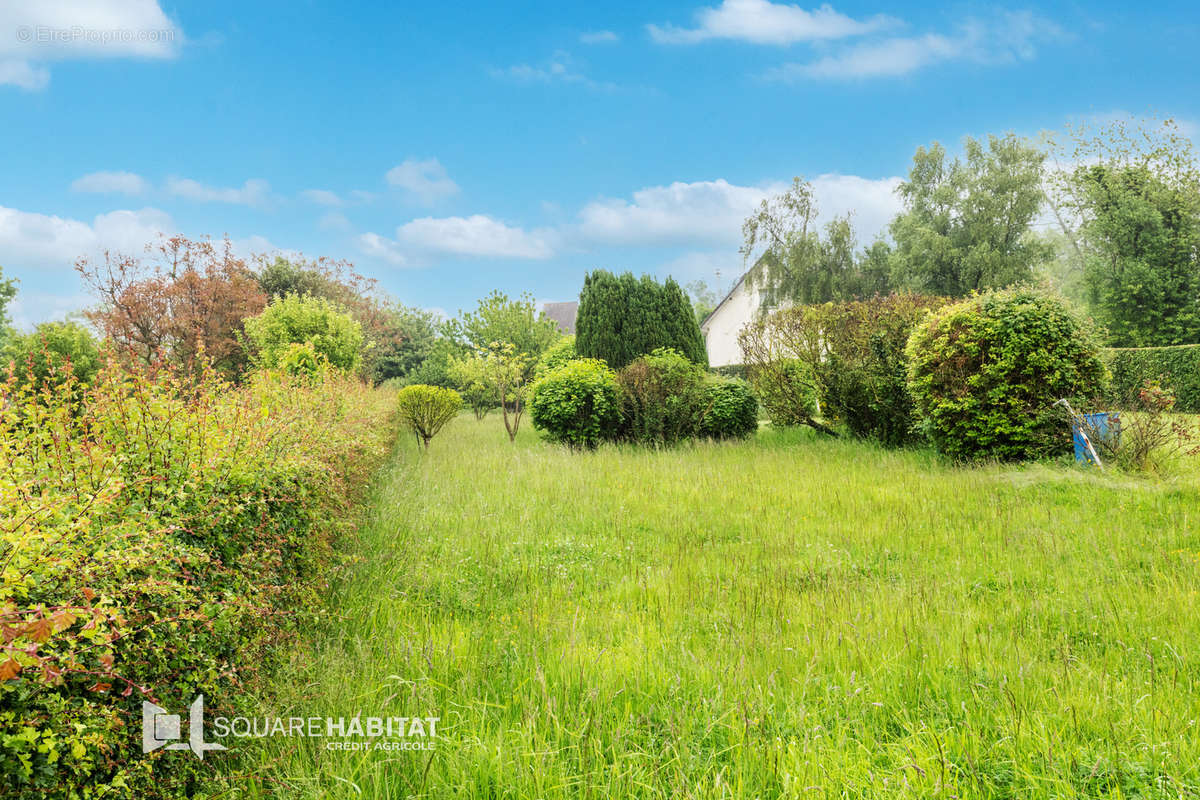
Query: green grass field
789	617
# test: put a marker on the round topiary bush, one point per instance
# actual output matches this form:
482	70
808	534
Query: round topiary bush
985	374
788	391
732	410
425	410
577	404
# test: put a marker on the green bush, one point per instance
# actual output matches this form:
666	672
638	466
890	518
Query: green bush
985	374
787	389
663	398
855	351
576	404
293	319
41	357
622	318
425	410
167	537
731	410
1176	368
557	355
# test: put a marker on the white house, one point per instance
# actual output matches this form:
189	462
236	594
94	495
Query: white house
722	326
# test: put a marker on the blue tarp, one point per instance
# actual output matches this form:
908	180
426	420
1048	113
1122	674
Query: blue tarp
1099	427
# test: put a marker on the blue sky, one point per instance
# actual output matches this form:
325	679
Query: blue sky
448	149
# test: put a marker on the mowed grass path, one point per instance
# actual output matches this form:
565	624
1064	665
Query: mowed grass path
788	617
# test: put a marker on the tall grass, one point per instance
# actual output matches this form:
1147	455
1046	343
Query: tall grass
789	617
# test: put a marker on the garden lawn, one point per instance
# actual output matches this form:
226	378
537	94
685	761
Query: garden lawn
787	617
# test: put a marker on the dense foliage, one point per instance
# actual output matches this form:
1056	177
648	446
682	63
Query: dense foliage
163	538
985	374
294	319
397	337
1176	368
1130	214
622	318
425	410
1142	268
498	319
853	351
183	306
576	403
730	410
787	389
42	355
557	355
965	223
8	290
663	398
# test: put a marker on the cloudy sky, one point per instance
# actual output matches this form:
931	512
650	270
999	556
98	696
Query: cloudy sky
451	149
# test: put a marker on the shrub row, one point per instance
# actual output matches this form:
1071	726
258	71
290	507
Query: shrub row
1177	368
979	378
661	398
164	536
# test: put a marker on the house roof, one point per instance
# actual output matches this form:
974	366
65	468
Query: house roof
563	314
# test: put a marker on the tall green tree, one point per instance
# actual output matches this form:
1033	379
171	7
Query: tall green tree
796	262
966	222
503	320
1130	208
622	317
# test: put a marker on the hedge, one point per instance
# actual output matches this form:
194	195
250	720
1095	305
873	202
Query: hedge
1176	367
167	535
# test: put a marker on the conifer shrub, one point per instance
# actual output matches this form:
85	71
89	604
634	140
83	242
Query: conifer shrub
622	318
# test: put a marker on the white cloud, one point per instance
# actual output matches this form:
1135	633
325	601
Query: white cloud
763	22
478	235
1010	37
322	197
334	221
425	180
110	183
23	75
871	202
36	33
44	241
599	37
382	248
30	308
707	213
253	192
558	69
682	213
